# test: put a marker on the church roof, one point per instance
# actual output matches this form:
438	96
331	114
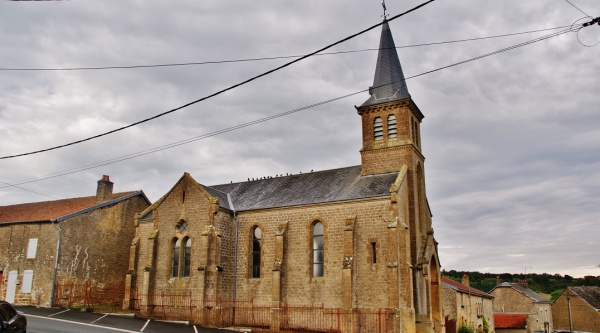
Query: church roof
389	83
303	189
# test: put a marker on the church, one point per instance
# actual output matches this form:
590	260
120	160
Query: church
345	250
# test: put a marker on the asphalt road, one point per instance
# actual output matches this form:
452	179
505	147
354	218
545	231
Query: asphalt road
54	320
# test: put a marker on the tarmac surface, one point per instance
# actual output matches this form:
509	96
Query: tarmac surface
118	321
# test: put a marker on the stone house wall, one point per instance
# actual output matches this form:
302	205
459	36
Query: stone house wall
583	316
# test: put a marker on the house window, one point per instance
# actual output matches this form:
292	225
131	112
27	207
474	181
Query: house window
175	258
27	281
32	248
187	257
378	128
256	237
392	126
318	253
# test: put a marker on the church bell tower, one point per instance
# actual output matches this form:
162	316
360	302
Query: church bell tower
390	118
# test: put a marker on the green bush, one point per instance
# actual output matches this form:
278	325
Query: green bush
466	329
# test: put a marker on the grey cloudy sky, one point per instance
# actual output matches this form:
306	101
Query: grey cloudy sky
512	141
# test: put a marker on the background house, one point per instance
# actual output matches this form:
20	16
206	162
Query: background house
516	298
56	252
510	322
464	305
584	303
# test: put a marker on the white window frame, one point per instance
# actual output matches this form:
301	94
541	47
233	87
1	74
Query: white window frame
32	248
27	282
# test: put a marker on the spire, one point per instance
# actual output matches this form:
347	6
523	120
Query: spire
388	84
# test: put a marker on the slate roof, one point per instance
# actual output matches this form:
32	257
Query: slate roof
58	210
389	83
459	287
510	320
590	295
519	287
303	189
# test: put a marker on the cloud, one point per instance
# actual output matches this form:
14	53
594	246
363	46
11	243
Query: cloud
510	140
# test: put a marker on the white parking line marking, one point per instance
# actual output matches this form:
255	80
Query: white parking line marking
54	314
143	328
195	329
99	318
83	324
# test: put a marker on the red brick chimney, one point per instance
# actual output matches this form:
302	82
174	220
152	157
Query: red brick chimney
105	189
465	280
524	283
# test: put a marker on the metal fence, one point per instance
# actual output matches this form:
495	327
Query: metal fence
88	295
262	318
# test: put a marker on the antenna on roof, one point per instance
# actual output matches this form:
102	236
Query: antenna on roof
384	9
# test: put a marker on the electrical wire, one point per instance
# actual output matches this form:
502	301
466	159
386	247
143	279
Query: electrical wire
289	112
217	62
220	91
570	3
24	189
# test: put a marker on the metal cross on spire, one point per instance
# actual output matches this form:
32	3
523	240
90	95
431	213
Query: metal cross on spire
384	9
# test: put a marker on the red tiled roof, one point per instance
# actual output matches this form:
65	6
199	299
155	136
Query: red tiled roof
510	320
49	210
464	289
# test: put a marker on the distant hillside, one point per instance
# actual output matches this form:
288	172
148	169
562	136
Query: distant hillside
544	284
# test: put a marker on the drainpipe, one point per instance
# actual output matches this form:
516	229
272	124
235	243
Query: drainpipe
55	264
235	252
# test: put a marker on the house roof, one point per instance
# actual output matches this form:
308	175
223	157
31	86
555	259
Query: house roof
520	288
590	294
389	83
303	189
459	287
58	210
510	320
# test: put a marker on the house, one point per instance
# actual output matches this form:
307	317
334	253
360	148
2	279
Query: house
466	306
348	249
579	308
510	322
55	252
516	298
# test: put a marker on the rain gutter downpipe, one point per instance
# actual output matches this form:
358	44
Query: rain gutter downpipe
55	264
235	253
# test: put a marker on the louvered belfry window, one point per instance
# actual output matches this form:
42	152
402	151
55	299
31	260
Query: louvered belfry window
392	126
378	128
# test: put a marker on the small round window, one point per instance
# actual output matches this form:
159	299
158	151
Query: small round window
182	226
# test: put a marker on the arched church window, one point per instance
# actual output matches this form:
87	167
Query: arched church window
378	128
256	247
318	253
175	248
392	126
187	257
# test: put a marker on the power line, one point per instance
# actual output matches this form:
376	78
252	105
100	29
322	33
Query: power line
570	3
217	62
254	122
24	189
220	91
